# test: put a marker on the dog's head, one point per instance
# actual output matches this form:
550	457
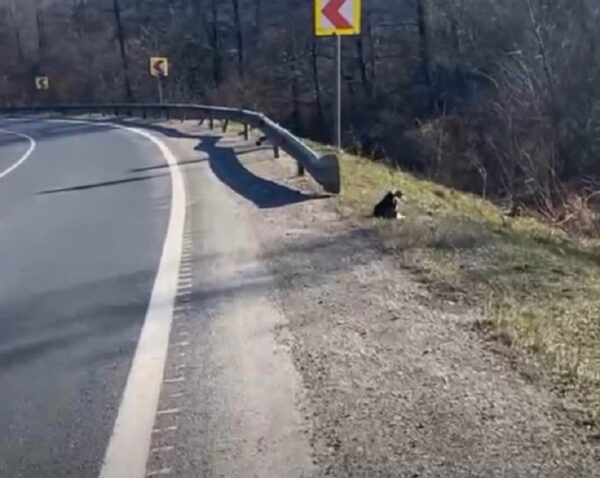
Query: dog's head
395	196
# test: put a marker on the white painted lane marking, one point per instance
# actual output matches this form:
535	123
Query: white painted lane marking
161	449
165	429
170	411
23	158
163	472
138	408
135	419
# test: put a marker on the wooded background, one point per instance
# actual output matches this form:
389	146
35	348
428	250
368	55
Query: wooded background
498	97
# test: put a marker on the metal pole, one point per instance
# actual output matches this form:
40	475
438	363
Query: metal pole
338	94
160	90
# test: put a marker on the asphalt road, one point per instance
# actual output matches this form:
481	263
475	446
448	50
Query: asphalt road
172	305
137	334
82	226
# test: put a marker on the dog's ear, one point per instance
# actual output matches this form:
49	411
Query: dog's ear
398	194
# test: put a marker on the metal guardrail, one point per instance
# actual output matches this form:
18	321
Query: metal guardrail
324	169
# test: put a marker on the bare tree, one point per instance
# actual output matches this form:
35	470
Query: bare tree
122	50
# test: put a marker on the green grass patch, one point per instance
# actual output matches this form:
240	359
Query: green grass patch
538	288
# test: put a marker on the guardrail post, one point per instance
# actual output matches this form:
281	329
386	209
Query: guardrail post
300	169
168	114
276	151
211	122
224	126
144	113
246	132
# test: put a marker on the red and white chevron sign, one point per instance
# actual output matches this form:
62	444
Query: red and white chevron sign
337	17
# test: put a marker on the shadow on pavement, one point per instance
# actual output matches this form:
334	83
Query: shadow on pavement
166	166
226	166
224	162
116	182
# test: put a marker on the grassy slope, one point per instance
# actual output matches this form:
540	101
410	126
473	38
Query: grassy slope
539	290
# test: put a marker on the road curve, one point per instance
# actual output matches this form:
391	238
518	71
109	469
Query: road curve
82	228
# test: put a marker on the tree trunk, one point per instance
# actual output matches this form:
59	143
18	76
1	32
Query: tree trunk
373	56
216	45
122	50
239	37
315	74
41	35
425	53
362	66
19	42
257	23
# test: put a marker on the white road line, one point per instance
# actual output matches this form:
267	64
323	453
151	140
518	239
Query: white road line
163	472
161	449
163	430
23	158
135	420
170	411
137	411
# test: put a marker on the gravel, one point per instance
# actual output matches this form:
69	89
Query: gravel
392	381
396	383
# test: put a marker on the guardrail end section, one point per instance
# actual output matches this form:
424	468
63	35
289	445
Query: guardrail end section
330	177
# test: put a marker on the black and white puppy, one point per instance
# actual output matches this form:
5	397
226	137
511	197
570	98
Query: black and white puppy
388	207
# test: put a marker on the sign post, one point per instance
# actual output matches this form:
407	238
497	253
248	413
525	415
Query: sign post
159	68
337	18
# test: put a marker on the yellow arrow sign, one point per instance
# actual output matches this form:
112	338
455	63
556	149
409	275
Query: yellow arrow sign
159	66
337	17
42	83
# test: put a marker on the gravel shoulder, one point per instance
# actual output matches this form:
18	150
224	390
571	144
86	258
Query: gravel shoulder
399	384
387	380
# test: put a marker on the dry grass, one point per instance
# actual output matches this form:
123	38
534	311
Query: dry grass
539	290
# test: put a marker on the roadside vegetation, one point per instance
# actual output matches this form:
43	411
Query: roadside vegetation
538	287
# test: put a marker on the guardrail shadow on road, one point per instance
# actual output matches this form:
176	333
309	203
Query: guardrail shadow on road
227	167
325	169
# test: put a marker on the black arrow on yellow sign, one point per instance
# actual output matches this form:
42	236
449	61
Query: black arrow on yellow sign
42	83
159	66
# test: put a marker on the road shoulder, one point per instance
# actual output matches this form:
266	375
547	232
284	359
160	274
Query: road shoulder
398	383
